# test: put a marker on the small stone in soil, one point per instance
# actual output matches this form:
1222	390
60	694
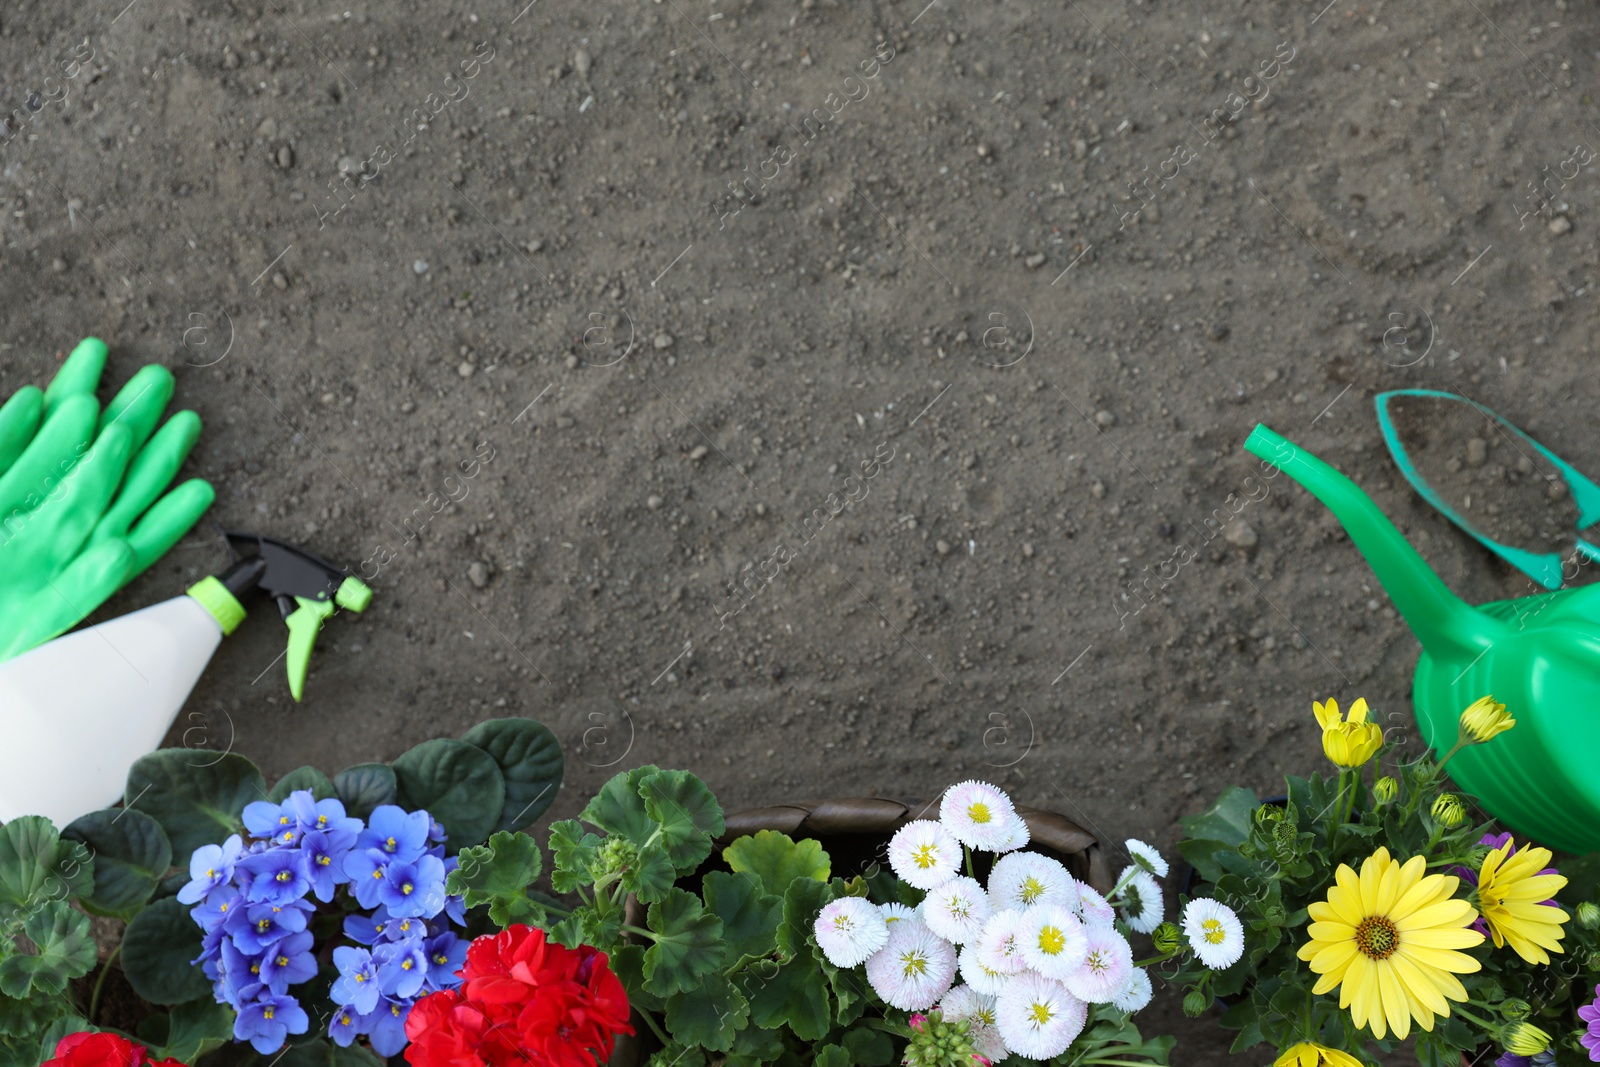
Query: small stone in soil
653	502
420	266
1105	418
698	452
1240	534
1560	225
1035	261
408	407
465	369
1477	452
942	547
663	340
478	574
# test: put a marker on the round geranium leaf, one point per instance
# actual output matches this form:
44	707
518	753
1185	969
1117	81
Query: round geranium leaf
364	787
688	815
36	865
157	949
131	856
459	784
196	795
62	950
777	860
529	758
302	778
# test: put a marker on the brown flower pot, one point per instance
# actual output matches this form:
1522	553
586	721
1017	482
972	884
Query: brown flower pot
858	829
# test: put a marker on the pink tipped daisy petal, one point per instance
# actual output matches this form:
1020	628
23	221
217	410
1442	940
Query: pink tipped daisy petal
1052	941
1038	1018
1093	909
1105	967
957	910
978	975
979	814
1026	879
914	968
998	947
850	930
924	854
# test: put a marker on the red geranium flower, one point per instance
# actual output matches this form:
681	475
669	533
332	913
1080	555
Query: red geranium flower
523	1002
87	1049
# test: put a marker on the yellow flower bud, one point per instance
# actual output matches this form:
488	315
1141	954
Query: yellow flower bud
1385	789
1449	812
1525	1039
1348	742
1483	720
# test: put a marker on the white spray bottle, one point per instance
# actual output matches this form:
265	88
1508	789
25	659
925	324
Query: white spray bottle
76	712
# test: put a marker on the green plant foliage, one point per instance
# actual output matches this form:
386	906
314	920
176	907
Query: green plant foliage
195	795
574	852
194	1029
619	809
131	855
686	815
364	787
833	1056
687	944
308	778
498	874
749	916
156	950
709	1014
529	758
62	951
795	995
37	866
776	860
459	784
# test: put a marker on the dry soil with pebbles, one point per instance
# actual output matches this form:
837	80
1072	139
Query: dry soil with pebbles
937	328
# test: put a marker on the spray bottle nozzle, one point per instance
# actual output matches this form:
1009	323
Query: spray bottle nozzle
307	589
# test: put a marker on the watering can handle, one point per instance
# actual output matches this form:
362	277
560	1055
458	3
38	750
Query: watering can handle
1448	627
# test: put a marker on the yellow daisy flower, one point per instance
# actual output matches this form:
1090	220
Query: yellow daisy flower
1311	1054
1389	939
1351	742
1512	891
1485	719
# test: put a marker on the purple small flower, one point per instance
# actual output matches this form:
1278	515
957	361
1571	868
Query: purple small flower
265	925
447	954
277	877
366	930
238	975
364	867
268	1019
325	851
275	822
1590	1014
345	1027
222	907
288	963
210	867
402	967
386	1026
312	814
436	834
400	835
413	889
356	988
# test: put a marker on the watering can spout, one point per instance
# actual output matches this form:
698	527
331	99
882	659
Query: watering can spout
1447	626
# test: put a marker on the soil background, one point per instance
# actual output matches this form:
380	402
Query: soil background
367	268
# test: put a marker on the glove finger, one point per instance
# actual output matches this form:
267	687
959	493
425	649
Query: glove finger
19	421
79	375
68	518
151	471
70	597
138	405
65	436
165	524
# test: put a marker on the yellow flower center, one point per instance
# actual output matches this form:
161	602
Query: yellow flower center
441	958
283	961
322	820
1032	889
985	1016
925	856
283	820
394	1009
211	872
255	968
390	844
406	889
262	925
1098	962
360	977
1040	1013
344	1020
377	874
266	1013
288	836
1051	941
284	876
913	965
1212	933
324	860
843	924
978	812
1377	937
405	965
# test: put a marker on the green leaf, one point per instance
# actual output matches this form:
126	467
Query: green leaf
776	860
1225	825
749	916
131	855
459	784
364	787
64	951
754	1047
195	1028
356	1055
303	778
573	852
619	809
197	796
498	874
157	949
795	996
800	906
688	815
314	1053
628	965
708	1015
688	944
24	1018
832	1056
868	1047
37	866
651	874
529	758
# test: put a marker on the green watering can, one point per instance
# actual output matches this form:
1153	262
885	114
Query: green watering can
1539	655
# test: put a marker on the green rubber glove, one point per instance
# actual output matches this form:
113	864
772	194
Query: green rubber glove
82	510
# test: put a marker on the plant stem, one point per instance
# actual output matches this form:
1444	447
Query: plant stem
651	934
661	1034
99	983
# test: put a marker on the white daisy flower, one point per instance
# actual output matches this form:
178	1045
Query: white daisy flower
978	974
914	968
957	910
894	912
1017	835
1147	857
1105	967
979	814
924	854
1214	932
1136	994
1038	1018
1142	905
1052	940
1093	909
1026	879
998	947
964	1002
850	930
